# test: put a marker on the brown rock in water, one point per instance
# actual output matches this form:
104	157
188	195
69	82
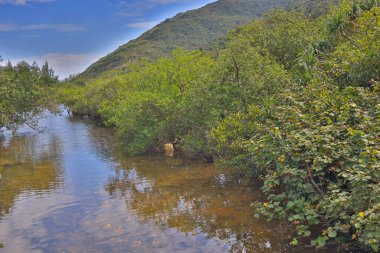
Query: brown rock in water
169	149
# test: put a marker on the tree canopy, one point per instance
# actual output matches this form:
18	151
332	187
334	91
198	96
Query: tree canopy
24	94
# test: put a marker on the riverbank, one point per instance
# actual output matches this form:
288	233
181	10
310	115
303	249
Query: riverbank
73	189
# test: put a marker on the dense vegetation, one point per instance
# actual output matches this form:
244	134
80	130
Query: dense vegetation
194	29
292	100
24	94
199	29
312	8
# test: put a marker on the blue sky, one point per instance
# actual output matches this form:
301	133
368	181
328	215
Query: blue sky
72	34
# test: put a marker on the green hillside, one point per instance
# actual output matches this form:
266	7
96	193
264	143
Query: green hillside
189	30
312	8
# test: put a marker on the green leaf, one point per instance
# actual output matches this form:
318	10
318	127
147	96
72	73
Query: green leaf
331	233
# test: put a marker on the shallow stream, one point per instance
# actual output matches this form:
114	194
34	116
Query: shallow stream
72	189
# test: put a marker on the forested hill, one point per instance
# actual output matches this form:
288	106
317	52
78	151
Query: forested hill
189	30
312	8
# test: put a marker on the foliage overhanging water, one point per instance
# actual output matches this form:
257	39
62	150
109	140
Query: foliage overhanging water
71	189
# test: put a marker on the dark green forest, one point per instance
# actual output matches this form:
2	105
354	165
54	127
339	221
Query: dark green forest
291	98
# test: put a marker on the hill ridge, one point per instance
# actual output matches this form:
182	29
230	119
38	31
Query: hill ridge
193	29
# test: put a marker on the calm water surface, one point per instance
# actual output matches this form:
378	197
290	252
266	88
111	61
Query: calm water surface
70	189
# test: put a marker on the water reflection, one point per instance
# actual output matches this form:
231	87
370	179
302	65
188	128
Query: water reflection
27	165
72	189
195	199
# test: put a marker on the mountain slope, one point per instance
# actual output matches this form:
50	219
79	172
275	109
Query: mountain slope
190	30
312	8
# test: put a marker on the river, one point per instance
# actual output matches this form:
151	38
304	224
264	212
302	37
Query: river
72	189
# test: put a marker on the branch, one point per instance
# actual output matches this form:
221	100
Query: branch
236	68
313	182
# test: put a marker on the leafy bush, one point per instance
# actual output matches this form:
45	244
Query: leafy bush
317	147
24	94
154	103
320	160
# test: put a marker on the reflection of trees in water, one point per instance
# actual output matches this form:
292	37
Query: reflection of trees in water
28	163
196	199
103	140
192	198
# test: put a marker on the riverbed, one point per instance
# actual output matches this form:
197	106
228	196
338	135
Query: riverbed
71	188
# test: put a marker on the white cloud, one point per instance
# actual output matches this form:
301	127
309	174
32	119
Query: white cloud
137	8
145	25
129	14
62	64
131	6
10	27
169	1
23	2
7	27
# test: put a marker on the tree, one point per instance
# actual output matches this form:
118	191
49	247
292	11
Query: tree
47	75
23	97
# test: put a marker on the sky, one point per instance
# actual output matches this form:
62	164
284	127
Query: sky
72	34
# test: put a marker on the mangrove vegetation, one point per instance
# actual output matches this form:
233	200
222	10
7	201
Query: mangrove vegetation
25	92
290	99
